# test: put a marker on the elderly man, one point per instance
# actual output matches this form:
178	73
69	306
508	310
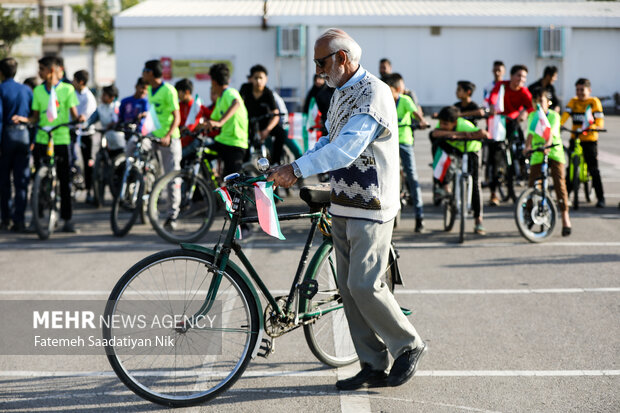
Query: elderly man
360	153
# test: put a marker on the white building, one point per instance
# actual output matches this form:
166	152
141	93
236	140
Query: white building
431	43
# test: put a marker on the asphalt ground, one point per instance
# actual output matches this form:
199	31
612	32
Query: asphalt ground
511	326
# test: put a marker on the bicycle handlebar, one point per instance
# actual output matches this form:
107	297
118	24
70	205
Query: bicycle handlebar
578	131
265	116
50	129
542	148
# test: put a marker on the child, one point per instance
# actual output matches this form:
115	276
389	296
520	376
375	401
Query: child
133	109
454	127
468	108
406	109
66	107
542	97
578	109
107	115
87	104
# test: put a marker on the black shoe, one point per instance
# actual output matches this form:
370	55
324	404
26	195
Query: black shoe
566	231
4	226
18	227
419	225
405	365
366	377
69	227
600	203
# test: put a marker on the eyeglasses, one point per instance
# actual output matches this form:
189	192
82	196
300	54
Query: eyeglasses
321	62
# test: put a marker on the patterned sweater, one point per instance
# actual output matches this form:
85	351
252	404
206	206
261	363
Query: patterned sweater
369	187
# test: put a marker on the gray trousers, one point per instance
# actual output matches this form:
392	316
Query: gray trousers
377	324
170	157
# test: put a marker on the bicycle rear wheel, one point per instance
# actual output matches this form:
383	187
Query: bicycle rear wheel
327	330
462	207
45	202
196	207
588	188
535	216
210	347
99	178
127	205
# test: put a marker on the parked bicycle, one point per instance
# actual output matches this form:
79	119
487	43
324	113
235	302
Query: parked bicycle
139	174
194	283
535	211
197	181
578	174
45	201
458	200
109	165
510	166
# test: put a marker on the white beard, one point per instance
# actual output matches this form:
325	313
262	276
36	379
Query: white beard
335	76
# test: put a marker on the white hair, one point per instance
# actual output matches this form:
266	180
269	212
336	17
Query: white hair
339	40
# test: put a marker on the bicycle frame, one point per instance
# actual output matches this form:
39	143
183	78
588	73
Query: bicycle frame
229	244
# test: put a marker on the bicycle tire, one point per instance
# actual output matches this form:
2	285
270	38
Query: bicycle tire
204	362
149	181
45	202
526	217
462	208
588	189
99	180
449	215
328	335
576	182
129	205
192	222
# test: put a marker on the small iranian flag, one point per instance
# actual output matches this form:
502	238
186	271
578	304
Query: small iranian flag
52	106
312	130
193	111
543	127
266	208
225	195
151	122
588	120
441	163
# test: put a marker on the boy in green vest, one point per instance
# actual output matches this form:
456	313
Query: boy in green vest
165	100
542	97
231	117
66	108
406	110
454	127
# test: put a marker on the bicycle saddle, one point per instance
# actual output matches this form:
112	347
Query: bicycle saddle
316	196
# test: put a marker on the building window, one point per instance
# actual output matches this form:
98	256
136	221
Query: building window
550	42
53	16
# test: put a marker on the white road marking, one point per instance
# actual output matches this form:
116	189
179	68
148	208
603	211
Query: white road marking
250	374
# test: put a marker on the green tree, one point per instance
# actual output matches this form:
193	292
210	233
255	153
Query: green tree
14	24
97	20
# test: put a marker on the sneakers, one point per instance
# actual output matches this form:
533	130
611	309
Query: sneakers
600	203
405	365
366	377
4	226
170	224
479	229
494	200
18	228
419	225
69	228
566	231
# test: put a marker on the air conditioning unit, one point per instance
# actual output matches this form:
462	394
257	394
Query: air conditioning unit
551	42
291	41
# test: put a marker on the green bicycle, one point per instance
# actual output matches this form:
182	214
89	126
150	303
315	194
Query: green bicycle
578	173
195	283
197	204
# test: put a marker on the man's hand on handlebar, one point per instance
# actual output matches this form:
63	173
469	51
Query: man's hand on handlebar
282	176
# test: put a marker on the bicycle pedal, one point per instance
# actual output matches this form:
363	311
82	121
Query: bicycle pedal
266	348
308	289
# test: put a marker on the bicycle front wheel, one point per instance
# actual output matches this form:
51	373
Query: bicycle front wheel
211	340
535	215
576	181
45	202
196	207
127	205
